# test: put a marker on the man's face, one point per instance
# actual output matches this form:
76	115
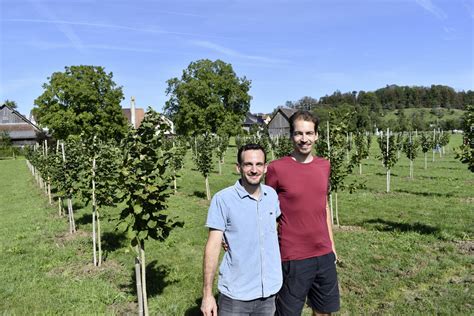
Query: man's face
253	167
303	136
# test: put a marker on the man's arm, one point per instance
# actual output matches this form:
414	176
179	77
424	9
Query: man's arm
211	258
329	223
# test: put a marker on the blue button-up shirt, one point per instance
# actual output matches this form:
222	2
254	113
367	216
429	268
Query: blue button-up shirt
251	267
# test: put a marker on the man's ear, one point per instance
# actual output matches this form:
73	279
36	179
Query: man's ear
265	168
237	167
317	136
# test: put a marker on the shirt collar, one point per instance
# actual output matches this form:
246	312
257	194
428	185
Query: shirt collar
243	193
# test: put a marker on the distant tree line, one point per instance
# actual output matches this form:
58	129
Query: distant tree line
368	107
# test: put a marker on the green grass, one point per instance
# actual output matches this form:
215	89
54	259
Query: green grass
407	251
442	114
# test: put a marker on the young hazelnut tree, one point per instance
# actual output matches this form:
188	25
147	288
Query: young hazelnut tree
410	148
203	159
146	177
388	150
426	143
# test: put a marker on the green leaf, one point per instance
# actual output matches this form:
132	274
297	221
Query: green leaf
143	234
137	208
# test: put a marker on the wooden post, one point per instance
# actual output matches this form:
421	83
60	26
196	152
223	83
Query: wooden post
72	224
138	281
208	191
94	209
388	170
329	155
143	272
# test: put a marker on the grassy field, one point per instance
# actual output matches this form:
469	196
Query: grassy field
429	117
408	251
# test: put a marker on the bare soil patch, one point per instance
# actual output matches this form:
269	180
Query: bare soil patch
348	228
466	246
81	269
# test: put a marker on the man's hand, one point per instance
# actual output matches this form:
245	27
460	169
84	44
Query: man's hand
209	306
225	246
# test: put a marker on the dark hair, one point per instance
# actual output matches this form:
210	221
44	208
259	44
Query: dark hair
305	116
250	146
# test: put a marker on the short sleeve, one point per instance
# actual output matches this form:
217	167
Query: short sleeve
271	177
277	207
216	217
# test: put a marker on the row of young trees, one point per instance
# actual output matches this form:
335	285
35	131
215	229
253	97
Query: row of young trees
137	172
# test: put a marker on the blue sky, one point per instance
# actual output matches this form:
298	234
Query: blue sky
288	49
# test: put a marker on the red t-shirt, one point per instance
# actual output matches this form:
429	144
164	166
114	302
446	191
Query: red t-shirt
302	190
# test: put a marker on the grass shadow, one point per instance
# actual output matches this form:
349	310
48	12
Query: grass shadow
385	174
112	241
157	276
85	219
196	309
390	226
425	193
199	194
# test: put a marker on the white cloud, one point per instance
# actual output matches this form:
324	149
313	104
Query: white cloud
429	6
233	53
65	29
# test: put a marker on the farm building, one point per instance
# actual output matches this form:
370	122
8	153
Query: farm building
138	118
279	125
136	115
140	115
21	130
252	120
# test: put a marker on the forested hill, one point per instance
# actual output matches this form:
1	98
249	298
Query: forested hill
393	97
398	107
400	97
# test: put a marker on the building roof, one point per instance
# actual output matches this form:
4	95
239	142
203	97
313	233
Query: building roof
19	129
16	124
287	112
251	119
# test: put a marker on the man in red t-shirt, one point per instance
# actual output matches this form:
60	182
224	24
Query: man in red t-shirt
305	234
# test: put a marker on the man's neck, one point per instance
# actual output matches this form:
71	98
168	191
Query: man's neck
252	189
302	157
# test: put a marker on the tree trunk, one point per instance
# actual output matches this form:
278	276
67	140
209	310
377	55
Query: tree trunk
175	187
411	169
49	192
94	236
99	239
337	211
60	206
208	191
220	168
72	223
388	180
360	168
94	212
426	159
331	208
143	272
69	216
138	281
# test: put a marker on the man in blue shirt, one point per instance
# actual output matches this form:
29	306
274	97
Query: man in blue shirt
244	215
